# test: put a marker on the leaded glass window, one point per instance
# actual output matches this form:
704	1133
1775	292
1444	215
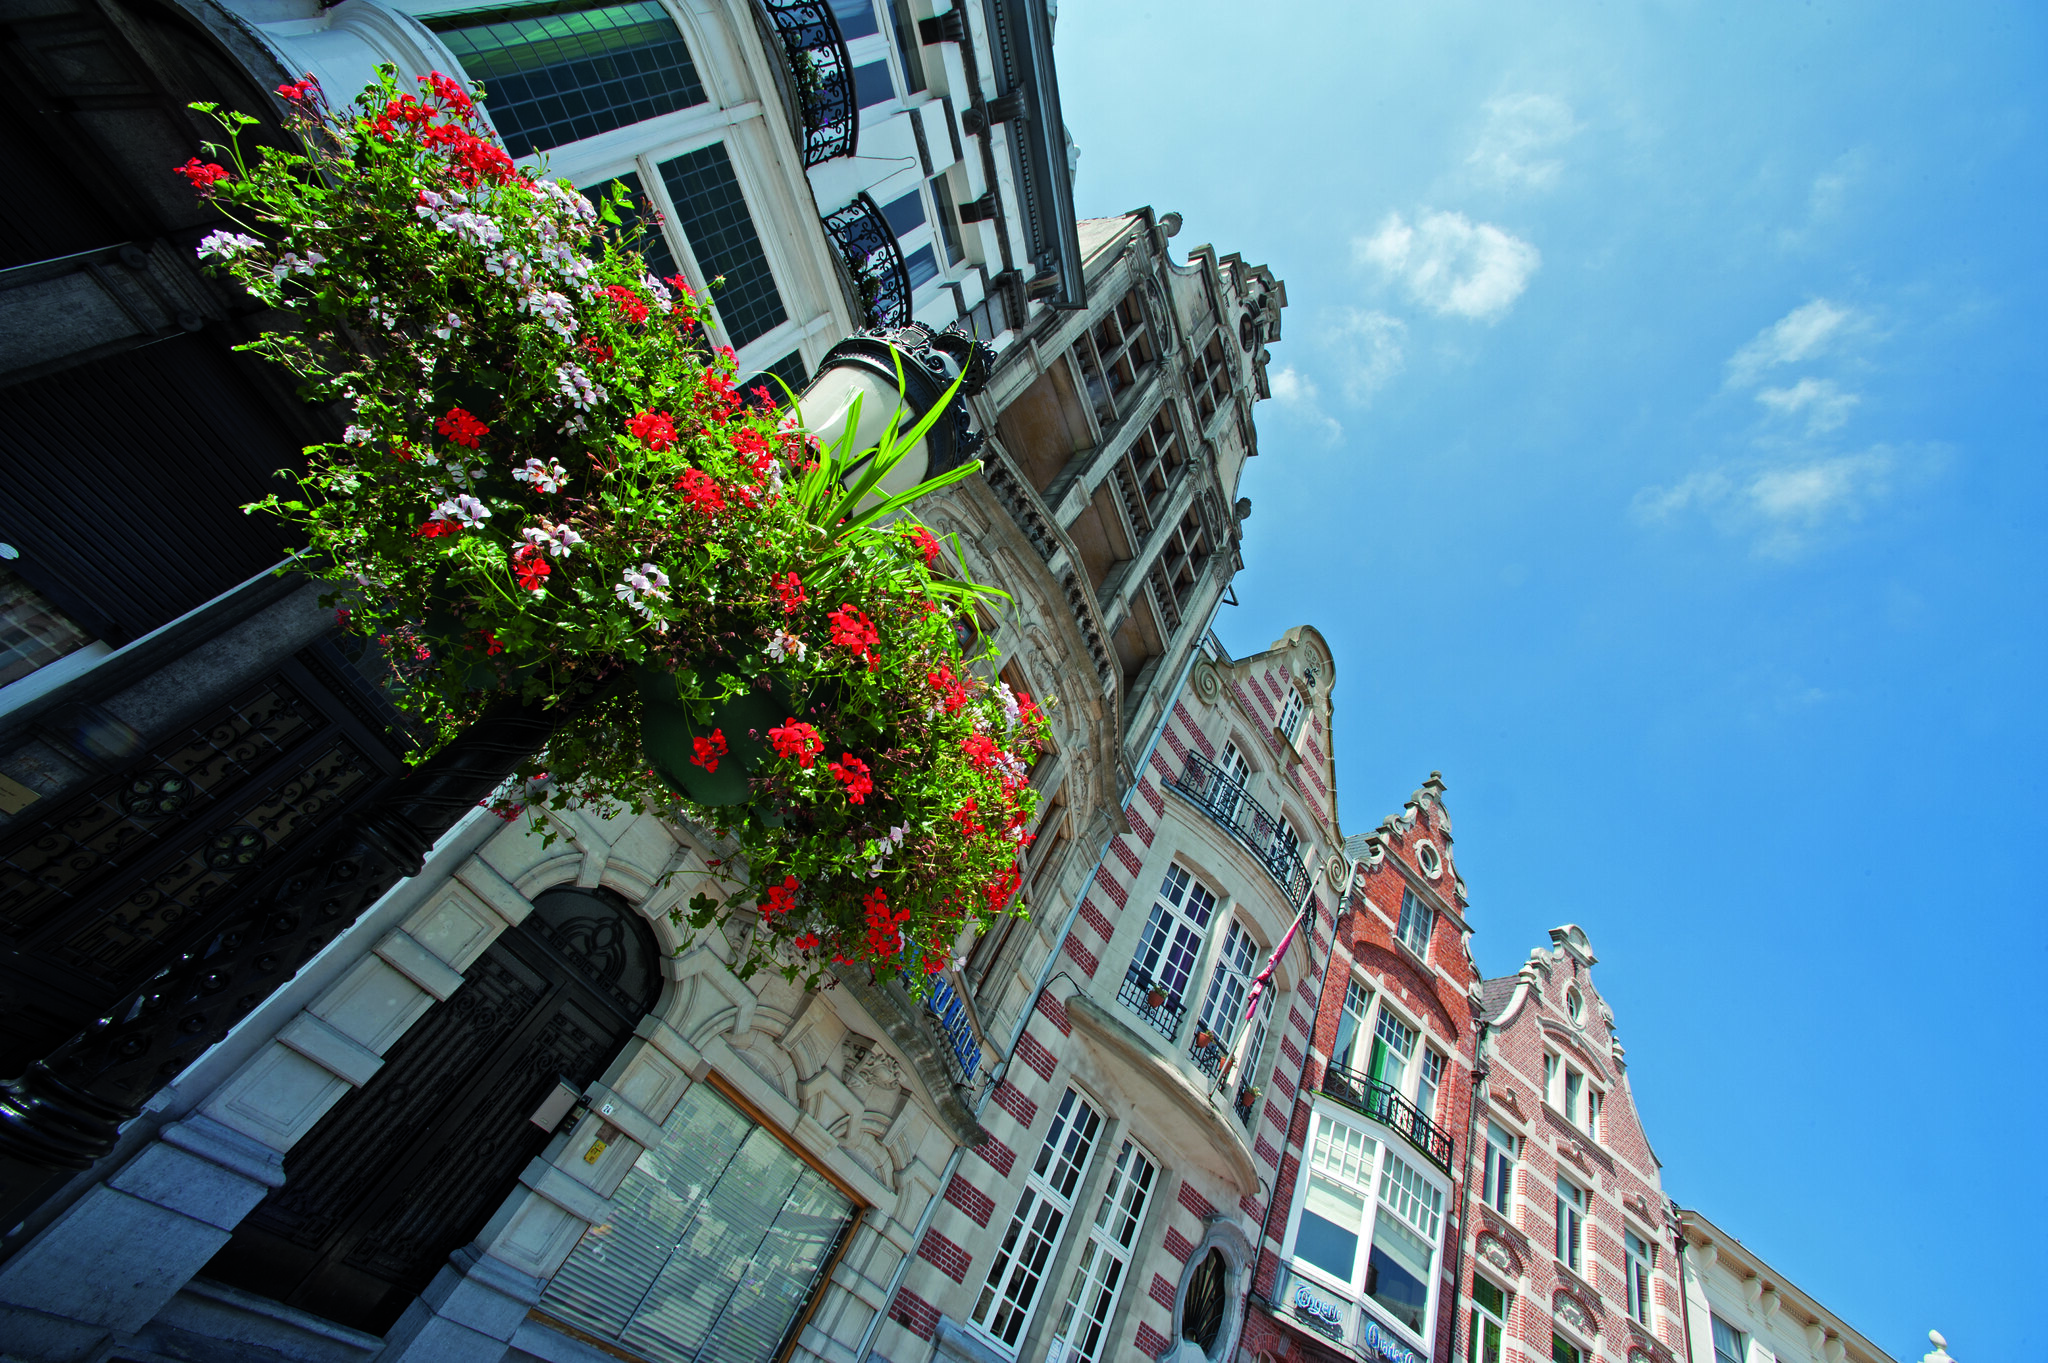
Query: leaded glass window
652	242
713	1246
556	74
712	212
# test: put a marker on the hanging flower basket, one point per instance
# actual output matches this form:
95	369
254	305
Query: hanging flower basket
550	491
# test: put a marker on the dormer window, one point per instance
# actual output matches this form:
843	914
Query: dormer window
1290	714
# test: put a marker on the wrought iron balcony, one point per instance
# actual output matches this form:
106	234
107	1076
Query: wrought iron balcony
1246	1103
869	248
1153	1002
815	50
1261	832
1209	1055
1367	1095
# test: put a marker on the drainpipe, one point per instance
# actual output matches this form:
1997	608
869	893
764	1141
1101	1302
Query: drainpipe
1479	1073
1684	1305
1002	1067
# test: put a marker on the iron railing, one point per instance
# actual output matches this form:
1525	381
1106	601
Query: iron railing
948	1014
1261	832
869	248
1362	1093
1137	994
1210	1057
1246	1103
823	76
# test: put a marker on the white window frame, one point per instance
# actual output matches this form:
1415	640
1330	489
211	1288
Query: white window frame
1009	1295
1291	711
1417	920
1434	1085
1230	980
1568	1243
1497	1172
1103	1267
1638	1272
1386	1146
1176	927
1740	1337
1405	1083
1482	1315
1357	1007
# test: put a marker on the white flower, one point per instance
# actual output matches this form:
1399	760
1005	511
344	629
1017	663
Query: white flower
575	425
358	435
226	245
575	385
547	477
638	589
659	290
783	645
465	510
450	324
897	831
1012	711
558	540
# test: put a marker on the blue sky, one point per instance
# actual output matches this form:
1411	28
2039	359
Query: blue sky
1658	439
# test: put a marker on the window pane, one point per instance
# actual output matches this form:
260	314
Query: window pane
33	633
713	215
921	266
555	77
1563	1350
1728	1342
653	243
1331	1218
856	18
872	84
1397	1273
905	214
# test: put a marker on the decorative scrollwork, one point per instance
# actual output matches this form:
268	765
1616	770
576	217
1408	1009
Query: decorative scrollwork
868	246
823	74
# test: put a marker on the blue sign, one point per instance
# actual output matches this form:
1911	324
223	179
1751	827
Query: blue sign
1376	1340
1317	1307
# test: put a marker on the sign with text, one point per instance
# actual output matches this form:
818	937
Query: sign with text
1335	1316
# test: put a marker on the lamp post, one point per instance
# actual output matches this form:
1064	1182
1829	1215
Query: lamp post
910	366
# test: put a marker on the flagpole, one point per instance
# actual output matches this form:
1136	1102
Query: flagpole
1258	988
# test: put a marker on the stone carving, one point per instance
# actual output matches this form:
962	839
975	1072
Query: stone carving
1573	1312
868	1065
1496	1252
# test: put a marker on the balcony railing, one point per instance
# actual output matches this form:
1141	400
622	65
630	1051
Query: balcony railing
823	76
1209	1055
869	248
1246	1103
1362	1093
1261	832
1160	1008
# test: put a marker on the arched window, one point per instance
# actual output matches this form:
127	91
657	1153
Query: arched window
1201	1315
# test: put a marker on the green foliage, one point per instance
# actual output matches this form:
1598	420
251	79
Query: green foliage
550	491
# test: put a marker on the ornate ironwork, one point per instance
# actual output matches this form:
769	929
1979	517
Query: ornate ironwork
1139	993
1210	1056
1256	828
65	1111
869	248
1364	1094
1245	1104
823	75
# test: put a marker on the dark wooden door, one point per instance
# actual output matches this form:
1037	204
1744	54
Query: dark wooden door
409	1167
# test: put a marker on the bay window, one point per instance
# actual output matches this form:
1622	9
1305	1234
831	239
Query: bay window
1571	1224
1638	1259
1497	1178
1368	1224
1172	938
1017	1269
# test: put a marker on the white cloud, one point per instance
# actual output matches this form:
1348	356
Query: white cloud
1800	334
1519	130
1825	404
1450	264
1373	347
1299	397
1786	506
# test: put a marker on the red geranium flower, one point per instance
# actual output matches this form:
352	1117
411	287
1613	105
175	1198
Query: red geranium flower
653	429
781	899
300	91
530	566
790	589
462	428
921	540
952	692
793	738
709	750
629	303
750	445
980	750
701	491
852	773
853	631
807	942
597	350
433	530
203	176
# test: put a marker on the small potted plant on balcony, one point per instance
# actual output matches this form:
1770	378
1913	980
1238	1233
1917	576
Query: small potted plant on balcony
1204	1038
1155	997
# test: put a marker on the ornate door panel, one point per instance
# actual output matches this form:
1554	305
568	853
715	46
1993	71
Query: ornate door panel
409	1167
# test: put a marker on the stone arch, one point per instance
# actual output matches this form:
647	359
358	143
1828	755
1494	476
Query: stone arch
1223	1239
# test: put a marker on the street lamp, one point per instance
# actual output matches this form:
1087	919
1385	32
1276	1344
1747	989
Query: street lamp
910	366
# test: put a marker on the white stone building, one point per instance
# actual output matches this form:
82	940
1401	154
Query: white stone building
1738	1309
